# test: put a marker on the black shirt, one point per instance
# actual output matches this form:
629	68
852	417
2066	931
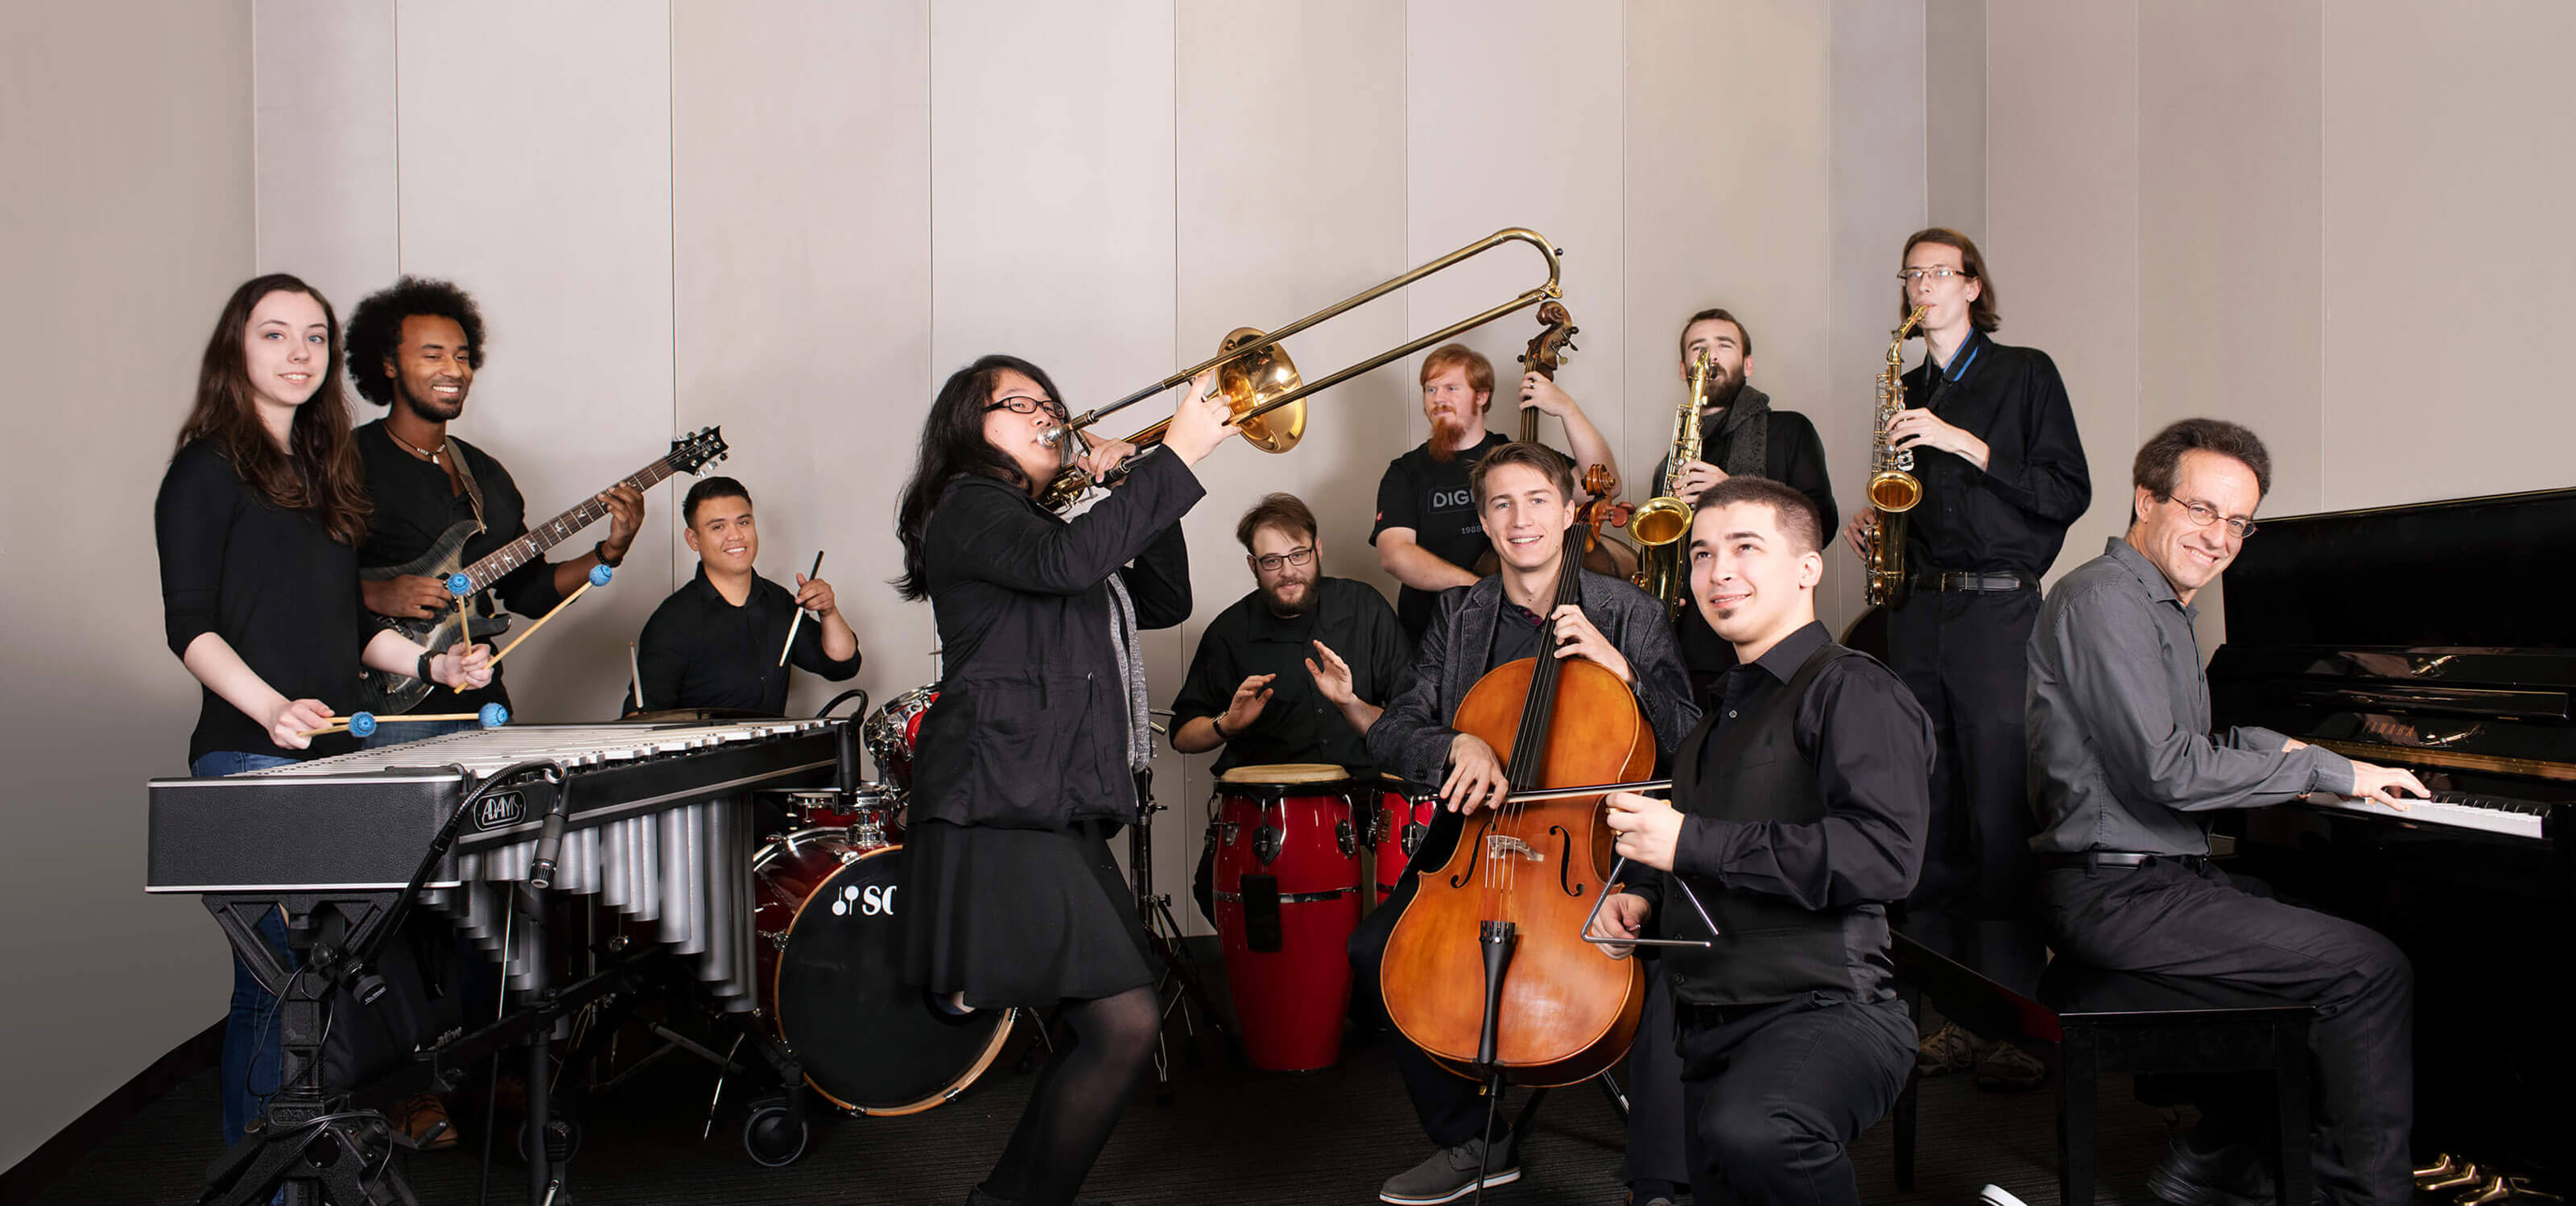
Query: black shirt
2013	514
271	582
1871	745
701	651
416	504
1793	454
1432	499
1298	724
1518	633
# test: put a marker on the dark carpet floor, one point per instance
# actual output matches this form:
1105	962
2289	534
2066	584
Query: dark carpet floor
1218	1134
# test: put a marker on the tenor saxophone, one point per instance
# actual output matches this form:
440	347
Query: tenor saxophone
1893	488
1661	523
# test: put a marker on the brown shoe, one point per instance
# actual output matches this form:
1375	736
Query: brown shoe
420	1123
2004	1066
1949	1049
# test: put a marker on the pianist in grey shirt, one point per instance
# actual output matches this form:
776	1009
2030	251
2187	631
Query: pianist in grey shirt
2125	773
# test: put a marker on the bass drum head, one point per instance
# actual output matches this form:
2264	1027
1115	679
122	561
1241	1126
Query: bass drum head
870	1042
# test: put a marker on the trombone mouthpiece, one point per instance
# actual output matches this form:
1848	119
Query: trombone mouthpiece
1051	436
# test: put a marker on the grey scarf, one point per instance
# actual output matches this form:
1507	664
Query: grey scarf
1131	670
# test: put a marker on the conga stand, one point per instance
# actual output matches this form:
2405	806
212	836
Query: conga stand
1181	976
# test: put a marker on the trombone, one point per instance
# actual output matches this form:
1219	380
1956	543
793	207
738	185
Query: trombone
1261	385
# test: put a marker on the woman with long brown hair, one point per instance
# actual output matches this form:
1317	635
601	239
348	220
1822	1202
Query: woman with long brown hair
258	523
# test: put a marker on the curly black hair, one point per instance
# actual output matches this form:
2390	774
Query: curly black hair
375	329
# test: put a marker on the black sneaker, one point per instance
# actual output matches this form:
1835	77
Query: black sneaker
2231	1177
1450	1173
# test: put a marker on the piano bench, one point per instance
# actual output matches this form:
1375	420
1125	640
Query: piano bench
2101	1023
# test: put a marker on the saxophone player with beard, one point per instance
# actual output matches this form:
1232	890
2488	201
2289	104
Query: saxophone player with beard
2003	476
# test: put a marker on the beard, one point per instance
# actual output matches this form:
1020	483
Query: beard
1723	391
1446	430
1284	609
429	409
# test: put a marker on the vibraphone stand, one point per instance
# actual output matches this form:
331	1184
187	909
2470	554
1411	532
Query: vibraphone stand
308	1148
1164	932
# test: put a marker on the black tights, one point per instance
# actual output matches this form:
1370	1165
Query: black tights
1077	1099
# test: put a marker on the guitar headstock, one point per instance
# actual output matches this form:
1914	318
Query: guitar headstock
1548	348
691	453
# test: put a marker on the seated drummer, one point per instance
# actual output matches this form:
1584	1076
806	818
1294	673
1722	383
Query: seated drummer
2125	772
1270	681
1525	504
715	642
1799	811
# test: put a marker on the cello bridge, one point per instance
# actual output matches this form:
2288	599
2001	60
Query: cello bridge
1504	845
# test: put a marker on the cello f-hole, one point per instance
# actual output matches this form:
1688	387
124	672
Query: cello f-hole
1565	861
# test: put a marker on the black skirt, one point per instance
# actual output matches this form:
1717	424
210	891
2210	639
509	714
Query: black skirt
1020	917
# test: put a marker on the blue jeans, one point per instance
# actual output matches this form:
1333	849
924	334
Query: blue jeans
250	1067
396	731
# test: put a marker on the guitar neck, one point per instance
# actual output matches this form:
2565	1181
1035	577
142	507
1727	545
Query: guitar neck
501	561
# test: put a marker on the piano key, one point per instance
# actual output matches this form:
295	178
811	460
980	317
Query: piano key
2446	812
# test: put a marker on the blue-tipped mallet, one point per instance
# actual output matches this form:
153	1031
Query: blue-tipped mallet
599	576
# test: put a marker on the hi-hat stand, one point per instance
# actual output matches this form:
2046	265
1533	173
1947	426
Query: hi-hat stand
1181	983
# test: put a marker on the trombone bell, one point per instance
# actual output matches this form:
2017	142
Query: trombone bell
1249	381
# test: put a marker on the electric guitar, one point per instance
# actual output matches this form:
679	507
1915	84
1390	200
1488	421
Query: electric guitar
387	693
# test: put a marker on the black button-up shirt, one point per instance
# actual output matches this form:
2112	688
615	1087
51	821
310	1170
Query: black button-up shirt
701	651
1298	724
2122	756
1871	745
2013	514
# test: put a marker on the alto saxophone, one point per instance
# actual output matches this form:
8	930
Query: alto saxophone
1664	520
1893	488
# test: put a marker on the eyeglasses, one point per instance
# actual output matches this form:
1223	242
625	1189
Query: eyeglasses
2203	515
1022	404
1911	275
1296	556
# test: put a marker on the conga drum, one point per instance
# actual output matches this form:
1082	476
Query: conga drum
1404	813
1287	899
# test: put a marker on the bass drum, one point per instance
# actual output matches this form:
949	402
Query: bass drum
832	978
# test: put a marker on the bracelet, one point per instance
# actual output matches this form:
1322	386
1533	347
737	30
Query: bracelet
600	550
423	667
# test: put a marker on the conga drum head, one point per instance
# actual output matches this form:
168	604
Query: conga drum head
1286	774
870	1042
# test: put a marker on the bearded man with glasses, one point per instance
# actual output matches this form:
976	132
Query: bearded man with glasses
2128	775
1296	670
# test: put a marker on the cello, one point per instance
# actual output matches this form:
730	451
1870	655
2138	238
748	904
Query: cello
1487	971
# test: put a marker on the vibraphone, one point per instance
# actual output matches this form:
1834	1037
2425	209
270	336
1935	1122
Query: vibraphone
655	822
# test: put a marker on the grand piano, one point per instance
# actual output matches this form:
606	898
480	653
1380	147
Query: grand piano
2440	637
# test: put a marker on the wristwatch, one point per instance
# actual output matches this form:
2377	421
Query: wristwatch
423	676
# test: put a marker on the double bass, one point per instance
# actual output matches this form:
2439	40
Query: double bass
1487	971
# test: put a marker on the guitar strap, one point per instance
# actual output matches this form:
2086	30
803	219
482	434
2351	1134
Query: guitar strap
465	474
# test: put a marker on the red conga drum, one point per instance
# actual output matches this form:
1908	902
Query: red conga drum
1287	899
1404	813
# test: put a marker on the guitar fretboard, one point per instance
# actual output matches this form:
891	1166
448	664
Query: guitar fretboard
497	564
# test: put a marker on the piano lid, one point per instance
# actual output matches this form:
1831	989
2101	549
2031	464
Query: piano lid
2497	573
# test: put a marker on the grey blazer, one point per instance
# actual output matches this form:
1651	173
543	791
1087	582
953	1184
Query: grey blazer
1412	737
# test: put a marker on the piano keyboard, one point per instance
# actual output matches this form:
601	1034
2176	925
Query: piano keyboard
2457	810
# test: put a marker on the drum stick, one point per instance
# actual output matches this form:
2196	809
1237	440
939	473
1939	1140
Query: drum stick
800	612
635	669
599	575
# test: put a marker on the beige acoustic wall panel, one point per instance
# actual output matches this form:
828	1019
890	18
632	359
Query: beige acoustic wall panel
801	249
1290	178
1878	197
1513	117
1954	114
2445	280
2062	217
125	224
2229	152
1052	230
536	173
324	72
